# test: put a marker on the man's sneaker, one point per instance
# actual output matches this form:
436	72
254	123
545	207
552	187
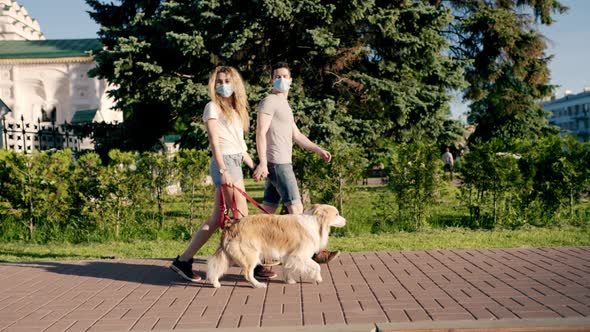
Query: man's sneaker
184	269
261	272
325	256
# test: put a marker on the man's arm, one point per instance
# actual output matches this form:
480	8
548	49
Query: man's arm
262	125
308	145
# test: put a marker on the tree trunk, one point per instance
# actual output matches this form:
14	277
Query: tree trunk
118	223
340	193
571	204
191	208
160	212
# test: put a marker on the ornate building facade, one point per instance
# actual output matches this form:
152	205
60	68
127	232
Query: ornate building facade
44	86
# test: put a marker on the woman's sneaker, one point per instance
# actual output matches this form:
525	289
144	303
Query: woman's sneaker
184	269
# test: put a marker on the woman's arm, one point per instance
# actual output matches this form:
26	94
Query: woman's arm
213	136
248	161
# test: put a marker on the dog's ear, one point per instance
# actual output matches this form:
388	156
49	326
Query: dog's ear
319	211
312	210
321	214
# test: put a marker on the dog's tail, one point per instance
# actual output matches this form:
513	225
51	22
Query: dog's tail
216	267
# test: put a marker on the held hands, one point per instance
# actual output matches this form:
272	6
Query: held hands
260	173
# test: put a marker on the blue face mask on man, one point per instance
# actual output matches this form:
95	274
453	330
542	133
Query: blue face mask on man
281	84
225	90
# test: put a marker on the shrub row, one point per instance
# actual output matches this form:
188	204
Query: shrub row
56	197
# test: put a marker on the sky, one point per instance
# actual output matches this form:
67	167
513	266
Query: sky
568	38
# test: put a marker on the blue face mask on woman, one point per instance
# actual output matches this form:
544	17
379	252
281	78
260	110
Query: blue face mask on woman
281	85
225	90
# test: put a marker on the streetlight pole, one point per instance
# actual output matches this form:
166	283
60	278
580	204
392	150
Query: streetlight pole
5	131
24	133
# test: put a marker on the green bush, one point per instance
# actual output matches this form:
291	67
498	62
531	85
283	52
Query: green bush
414	180
51	196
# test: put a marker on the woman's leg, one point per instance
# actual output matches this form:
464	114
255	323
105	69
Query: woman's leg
205	231
241	202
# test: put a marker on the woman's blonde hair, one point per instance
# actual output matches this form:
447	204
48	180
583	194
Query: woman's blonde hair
238	100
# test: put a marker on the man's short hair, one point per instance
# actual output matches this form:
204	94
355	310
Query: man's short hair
279	65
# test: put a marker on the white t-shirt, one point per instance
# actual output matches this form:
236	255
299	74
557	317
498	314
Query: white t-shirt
447	158
231	134
279	137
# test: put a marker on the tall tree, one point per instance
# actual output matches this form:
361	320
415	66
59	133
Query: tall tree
507	66
364	70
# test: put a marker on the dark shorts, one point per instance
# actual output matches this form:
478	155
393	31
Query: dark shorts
281	184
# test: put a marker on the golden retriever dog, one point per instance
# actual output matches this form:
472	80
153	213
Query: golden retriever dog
290	239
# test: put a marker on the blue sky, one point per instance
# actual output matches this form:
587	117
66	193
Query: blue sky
568	38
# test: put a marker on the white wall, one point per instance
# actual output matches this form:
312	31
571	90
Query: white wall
28	89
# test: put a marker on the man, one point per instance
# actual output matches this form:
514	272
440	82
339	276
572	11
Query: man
449	162
275	133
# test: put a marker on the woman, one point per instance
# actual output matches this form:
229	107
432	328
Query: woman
226	119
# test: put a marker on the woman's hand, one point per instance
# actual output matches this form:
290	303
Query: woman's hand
226	179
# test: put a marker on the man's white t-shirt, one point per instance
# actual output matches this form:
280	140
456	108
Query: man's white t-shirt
447	158
231	133
279	137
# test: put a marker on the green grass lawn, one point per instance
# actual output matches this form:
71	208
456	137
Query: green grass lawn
356	236
452	238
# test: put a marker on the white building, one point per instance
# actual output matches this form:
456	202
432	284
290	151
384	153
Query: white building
16	24
44	84
571	113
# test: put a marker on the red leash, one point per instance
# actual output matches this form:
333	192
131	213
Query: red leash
223	208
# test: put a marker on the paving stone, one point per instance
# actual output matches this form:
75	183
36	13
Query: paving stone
358	288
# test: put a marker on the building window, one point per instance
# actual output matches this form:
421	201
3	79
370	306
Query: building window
49	115
5	75
82	91
6	93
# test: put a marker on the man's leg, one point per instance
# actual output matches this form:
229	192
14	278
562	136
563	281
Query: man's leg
269	208
296	208
270	202
289	191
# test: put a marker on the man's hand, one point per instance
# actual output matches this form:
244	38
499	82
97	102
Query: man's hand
260	173
325	155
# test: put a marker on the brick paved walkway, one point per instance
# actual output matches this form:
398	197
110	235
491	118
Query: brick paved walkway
359	288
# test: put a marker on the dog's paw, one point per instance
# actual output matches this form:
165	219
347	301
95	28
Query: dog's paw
216	284
259	285
319	280
290	281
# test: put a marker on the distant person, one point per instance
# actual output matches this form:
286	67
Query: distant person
226	119
275	133
447	158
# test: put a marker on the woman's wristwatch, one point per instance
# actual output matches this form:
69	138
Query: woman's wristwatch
222	171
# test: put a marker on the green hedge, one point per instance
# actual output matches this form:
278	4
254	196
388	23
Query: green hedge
56	197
